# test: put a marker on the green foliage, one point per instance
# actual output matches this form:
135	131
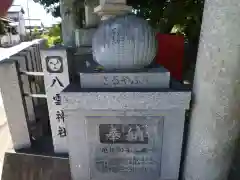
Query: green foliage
36	34
51	6
184	16
2	28
52	40
53	36
55	30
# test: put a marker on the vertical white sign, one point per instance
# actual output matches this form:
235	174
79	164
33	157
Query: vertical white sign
56	78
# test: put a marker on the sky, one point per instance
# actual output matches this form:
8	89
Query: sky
36	11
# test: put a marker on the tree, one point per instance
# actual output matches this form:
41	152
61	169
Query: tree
182	16
51	6
185	15
167	16
2	28
53	36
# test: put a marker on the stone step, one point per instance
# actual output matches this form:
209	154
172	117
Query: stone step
33	167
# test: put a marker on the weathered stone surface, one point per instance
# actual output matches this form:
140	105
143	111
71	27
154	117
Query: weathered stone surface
215	125
31	167
14	105
86	112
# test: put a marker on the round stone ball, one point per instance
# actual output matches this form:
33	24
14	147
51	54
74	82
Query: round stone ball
124	42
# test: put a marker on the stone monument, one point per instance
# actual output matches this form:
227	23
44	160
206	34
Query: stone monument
125	120
56	78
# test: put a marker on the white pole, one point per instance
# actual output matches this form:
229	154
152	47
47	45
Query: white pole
29	20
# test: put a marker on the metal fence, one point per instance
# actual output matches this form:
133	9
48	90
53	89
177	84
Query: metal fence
23	93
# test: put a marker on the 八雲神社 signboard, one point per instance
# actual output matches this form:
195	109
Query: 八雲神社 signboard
56	78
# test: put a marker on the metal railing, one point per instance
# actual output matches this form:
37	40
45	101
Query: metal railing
22	89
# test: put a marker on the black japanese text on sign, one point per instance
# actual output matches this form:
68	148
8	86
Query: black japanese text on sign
57	99
62	131
60	116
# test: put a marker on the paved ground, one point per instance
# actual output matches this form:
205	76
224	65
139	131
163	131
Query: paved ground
5	139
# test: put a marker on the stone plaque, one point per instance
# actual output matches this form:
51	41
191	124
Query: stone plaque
125	80
125	147
123	133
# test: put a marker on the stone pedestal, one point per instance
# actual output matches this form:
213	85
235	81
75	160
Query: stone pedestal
124	133
124	125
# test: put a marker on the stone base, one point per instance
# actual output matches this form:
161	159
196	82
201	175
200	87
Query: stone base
155	78
125	135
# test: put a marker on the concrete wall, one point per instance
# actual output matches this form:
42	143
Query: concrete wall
16	87
10	39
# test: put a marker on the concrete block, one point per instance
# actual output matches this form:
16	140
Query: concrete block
100	139
14	105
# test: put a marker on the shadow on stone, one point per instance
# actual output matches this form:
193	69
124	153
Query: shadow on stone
19	166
